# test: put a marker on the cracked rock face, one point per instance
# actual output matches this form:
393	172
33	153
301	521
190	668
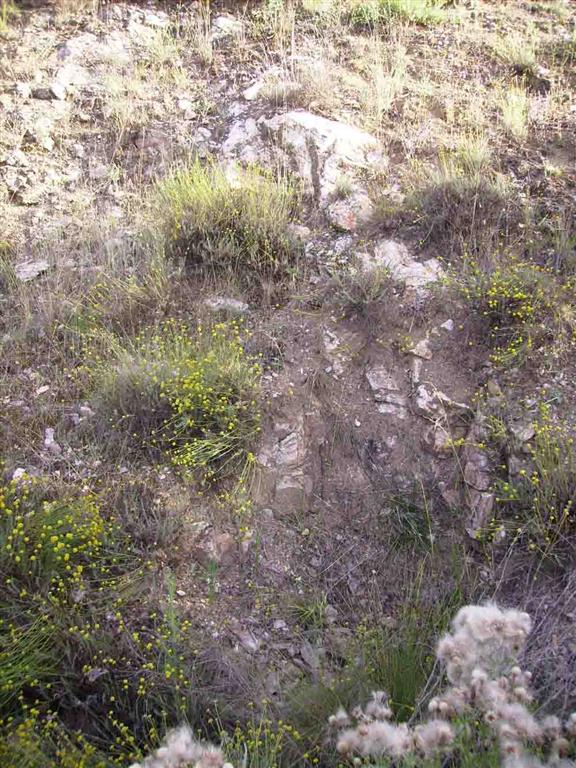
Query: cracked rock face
321	151
283	475
386	391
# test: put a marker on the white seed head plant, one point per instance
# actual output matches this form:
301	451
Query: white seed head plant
485	685
181	750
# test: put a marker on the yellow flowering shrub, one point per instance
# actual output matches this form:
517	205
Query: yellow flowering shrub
539	503
74	631
190	393
520	302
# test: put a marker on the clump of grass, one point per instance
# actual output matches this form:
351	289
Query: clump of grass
462	199
396	656
512	297
517	51
8	12
473	155
365	14
565	50
514	105
310	612
263	741
361	289
387	80
188	393
321	10
485	708
215	220
196	31
79	654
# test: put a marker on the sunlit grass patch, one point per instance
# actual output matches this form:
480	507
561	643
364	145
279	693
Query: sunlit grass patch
8	12
189	393
218	220
514	103
369	13
416	11
387	80
518	51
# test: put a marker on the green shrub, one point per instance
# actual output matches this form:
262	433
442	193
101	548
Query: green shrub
213	220
189	393
365	14
359	290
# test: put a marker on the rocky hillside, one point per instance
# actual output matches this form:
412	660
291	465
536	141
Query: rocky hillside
287	332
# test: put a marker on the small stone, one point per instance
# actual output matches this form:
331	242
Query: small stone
381	381
247	640
185	105
448	325
481	506
350	213
299	232
98	171
416	370
451	496
310	655
55	91
180	593
494	388
438	441
19	473
426	404
253	91
422	349
331	614
523	433
226	304
50	443
403	267
280	625
28	270
226	26
476	471
15	159
23	90
389	409
395	398
42	390
158	19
